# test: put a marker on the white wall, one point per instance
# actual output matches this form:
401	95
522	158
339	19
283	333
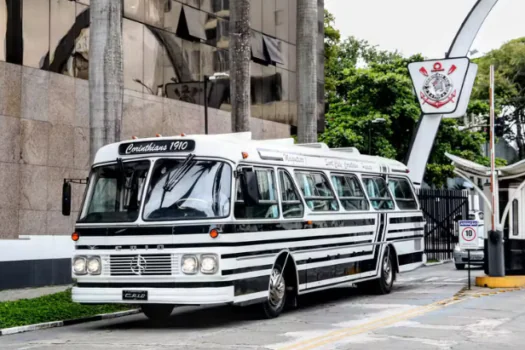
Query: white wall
36	248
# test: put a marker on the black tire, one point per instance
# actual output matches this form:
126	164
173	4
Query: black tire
385	282
460	266
274	306
157	312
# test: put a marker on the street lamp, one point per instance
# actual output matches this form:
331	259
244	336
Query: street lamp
374	121
216	76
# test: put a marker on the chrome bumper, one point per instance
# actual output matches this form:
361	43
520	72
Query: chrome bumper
186	296
476	257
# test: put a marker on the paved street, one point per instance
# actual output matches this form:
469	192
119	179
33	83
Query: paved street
424	312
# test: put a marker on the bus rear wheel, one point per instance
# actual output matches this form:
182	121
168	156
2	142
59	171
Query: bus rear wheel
273	307
157	312
385	282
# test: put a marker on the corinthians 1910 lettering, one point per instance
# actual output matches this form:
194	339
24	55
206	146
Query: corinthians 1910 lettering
157	147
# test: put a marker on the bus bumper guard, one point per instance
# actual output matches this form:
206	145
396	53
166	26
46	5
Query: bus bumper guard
186	296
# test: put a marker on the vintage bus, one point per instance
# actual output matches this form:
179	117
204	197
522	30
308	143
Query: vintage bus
224	219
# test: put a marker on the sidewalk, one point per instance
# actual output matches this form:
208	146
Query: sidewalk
29	293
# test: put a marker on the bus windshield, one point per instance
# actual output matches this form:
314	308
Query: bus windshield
187	189
116	192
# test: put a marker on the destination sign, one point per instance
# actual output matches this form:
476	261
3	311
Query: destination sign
165	146
338	164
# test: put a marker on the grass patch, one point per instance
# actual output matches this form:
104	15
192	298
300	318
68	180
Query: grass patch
53	307
431	261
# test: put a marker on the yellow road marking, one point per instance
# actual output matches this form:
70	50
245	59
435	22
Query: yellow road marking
371	327
336	335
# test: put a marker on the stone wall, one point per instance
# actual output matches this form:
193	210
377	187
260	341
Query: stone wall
44	138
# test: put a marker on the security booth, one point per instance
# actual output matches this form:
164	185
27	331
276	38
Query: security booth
511	190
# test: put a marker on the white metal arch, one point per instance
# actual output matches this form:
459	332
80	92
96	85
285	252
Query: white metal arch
488	203
428	125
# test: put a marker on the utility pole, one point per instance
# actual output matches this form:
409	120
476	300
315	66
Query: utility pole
370	124
208	79
106	76
495	242
369	138
307	71
240	56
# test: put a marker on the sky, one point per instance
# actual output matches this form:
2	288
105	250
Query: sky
424	26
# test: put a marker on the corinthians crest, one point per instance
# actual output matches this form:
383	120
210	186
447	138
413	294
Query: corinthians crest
438	89
439	83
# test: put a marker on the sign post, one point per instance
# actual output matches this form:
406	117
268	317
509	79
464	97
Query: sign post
495	251
493	179
468	239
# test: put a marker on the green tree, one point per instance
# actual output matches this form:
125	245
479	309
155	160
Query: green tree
364	83
464	144
509	67
332	39
380	90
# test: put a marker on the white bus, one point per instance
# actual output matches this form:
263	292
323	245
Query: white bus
203	219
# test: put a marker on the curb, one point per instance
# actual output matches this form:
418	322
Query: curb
438	263
54	324
500	282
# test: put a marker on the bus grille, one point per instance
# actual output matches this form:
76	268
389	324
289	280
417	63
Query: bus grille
141	265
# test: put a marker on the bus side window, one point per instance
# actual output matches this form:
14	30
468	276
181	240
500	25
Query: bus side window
350	192
378	193
402	192
268	206
316	191
292	206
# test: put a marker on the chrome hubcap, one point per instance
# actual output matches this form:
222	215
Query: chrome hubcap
277	289
387	269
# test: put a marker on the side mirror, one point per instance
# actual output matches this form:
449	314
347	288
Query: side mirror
249	186
66	198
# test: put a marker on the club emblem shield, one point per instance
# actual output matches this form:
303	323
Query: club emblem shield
438	84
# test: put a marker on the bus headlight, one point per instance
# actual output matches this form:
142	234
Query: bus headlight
79	265
209	264
190	264
94	266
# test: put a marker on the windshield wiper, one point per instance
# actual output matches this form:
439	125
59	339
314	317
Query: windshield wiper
122	172
171	181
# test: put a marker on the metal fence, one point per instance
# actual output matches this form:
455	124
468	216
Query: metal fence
442	209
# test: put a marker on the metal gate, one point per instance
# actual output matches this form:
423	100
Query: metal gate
442	209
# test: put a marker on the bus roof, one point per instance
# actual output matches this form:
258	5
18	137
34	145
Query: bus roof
240	147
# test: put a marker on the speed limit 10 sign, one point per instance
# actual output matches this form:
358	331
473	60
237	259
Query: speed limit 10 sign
468	234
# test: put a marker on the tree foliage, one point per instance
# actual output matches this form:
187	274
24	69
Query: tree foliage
364	83
509	67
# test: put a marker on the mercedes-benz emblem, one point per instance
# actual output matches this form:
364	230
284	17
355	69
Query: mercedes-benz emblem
138	265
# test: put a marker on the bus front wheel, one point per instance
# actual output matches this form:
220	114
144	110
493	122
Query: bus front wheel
157	312
273	307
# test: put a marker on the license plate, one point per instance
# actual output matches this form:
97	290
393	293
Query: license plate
134	295
476	258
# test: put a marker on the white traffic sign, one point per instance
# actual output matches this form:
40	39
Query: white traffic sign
439	83
468	234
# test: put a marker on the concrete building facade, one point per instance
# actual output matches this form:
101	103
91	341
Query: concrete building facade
169	47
